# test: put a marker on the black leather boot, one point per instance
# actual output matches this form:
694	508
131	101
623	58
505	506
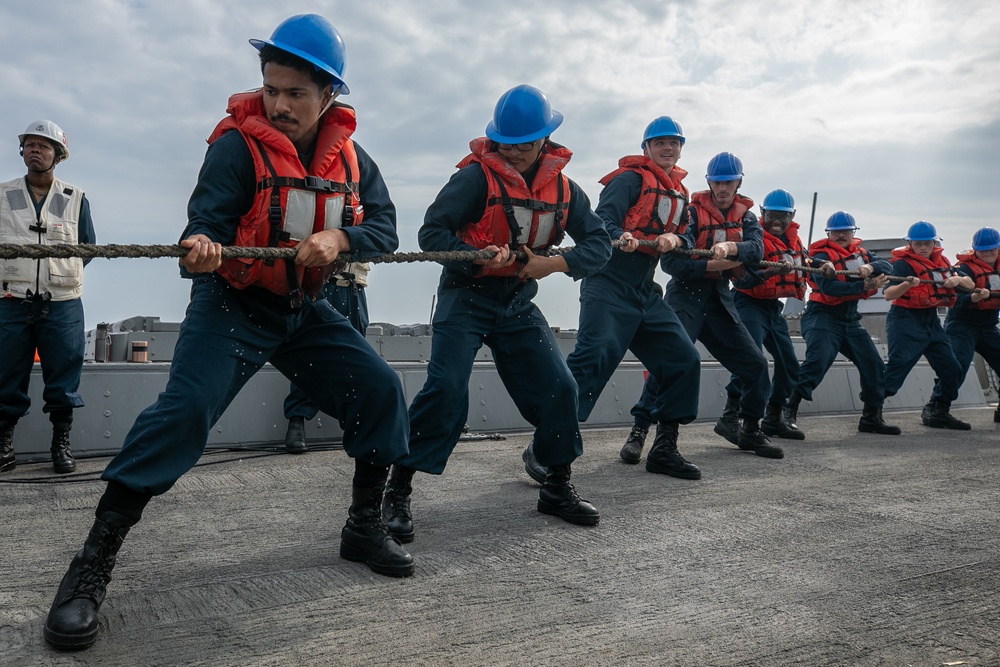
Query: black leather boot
365	538
871	421
632	449
73	621
396	503
62	455
295	436
941	417
558	497
664	458
790	412
996	414
535	470
774	424
728	425
925	413
752	439
7	459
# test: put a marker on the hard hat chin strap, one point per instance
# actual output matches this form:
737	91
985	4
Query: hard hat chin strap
329	104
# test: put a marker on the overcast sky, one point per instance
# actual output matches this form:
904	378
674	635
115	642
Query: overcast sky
888	110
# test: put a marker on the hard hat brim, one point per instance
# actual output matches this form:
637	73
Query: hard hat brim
312	60
554	122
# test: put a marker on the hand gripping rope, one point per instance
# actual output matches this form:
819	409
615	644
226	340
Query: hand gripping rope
135	251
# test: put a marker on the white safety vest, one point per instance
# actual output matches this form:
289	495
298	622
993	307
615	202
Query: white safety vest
59	224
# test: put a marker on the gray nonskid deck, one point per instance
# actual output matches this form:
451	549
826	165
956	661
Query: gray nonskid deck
853	550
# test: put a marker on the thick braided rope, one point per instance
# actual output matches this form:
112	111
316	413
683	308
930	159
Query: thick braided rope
137	251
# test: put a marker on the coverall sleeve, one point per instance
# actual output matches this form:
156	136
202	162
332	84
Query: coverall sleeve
376	235
593	245
617	197
461	201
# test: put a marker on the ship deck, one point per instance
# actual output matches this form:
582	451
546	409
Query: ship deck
853	550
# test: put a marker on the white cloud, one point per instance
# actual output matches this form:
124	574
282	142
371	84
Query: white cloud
887	109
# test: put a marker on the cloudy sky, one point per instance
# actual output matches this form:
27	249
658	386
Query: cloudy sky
887	109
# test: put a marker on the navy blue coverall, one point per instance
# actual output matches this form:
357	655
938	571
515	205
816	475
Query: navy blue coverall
912	332
228	334
351	302
622	308
56	330
971	330
499	312
706	310
769	330
832	329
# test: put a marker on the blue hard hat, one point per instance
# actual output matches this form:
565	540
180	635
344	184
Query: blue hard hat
921	231
522	114
986	238
724	167
778	200
664	126
840	220
315	40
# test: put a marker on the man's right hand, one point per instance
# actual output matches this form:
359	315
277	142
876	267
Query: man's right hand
205	255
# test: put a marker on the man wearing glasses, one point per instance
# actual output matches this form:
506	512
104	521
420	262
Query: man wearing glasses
509	194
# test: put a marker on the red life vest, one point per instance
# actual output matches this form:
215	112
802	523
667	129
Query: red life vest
851	258
936	267
792	284
985	277
713	227
517	214
662	204
291	202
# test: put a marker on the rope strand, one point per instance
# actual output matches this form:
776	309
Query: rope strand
138	251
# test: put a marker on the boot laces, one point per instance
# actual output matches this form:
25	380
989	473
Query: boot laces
93	577
399	500
637	433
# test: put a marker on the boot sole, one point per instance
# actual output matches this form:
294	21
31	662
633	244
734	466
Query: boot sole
786	435
663	470
585	520
8	465
719	431
404	538
629	457
64	470
966	427
880	431
768	455
296	449
347	552
69	642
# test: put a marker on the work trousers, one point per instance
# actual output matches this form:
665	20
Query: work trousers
711	318
769	330
55	329
226	336
349	301
826	335
500	313
913	333
615	317
967	339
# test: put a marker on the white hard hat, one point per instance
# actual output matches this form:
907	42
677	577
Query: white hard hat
52	132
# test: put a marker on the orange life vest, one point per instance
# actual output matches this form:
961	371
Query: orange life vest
662	204
985	277
851	258
713	227
291	202
926	295
517	214
791	284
